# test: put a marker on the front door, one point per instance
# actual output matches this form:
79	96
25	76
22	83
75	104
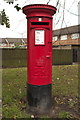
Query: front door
75	55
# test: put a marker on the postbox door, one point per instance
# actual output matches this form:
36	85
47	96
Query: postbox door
41	58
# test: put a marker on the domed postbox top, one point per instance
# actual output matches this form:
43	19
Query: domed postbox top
40	9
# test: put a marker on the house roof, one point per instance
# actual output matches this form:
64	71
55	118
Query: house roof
62	31
67	30
14	40
0	39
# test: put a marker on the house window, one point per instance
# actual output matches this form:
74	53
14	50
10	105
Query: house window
64	37
12	44
75	36
55	38
0	44
3	44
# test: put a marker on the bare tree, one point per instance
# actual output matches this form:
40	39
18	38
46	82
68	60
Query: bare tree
48	1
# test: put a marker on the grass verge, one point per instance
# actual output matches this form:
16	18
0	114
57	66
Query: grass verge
64	92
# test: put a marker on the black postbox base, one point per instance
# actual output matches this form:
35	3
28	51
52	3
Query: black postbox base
39	98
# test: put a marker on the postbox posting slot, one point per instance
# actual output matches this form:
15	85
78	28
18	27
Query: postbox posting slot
39	23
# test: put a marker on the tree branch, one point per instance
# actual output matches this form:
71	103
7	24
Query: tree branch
48	1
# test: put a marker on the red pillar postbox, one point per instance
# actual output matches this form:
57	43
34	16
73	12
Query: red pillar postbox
39	54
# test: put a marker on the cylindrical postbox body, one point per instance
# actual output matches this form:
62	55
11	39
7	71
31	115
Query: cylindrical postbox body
39	54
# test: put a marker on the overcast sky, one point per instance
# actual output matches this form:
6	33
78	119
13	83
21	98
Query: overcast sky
18	22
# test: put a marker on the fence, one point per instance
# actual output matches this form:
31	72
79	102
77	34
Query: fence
18	57
14	58
62	57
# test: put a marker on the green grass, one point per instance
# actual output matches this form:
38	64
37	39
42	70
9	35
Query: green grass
63	114
0	83
64	81
14	82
